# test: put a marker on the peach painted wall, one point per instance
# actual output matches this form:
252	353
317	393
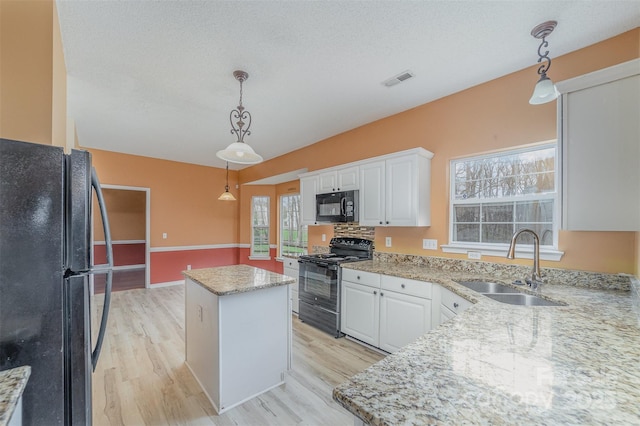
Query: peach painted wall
59	93
491	116
26	71
127	215
184	197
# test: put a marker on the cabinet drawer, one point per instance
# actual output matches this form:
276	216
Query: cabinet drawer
365	278
406	286
454	302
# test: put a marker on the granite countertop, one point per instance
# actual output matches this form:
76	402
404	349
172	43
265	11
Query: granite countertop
12	383
225	280
503	364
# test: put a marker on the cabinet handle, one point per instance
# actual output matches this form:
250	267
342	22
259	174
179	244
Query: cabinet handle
387	222
380	222
455	305
358	277
401	285
375	292
381	294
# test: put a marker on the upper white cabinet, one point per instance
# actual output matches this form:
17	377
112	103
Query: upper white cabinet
396	191
345	179
600	141
308	191
327	182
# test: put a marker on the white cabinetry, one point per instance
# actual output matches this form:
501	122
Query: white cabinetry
360	310
291	269
405	311
382	311
451	304
308	190
396	191
343	179
600	141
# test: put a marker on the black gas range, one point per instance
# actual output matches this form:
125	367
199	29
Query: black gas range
319	284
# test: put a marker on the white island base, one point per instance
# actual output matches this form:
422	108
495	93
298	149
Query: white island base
237	345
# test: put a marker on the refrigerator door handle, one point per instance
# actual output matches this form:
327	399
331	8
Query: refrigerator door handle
95	183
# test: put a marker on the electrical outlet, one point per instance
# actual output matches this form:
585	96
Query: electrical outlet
164	235
387	242
429	244
188	267
475	255
324	237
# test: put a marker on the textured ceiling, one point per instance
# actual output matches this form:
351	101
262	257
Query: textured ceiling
154	78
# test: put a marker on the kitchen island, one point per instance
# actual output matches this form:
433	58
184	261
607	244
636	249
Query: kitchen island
503	364
237	331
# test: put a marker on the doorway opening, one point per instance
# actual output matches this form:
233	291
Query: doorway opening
128	209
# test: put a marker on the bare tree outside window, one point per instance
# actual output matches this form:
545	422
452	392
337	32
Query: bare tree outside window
494	196
260	226
293	234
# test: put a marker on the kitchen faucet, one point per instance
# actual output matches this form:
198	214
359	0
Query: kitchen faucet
536	275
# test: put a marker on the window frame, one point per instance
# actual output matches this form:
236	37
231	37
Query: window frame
547	252
253	255
281	225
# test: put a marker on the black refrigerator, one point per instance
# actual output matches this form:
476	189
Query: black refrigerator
45	264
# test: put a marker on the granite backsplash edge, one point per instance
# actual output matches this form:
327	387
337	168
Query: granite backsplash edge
584	279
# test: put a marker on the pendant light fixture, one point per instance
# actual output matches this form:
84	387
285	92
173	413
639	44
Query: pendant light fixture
239	151
545	91
226	195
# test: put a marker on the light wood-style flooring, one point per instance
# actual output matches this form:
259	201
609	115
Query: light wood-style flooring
122	280
141	378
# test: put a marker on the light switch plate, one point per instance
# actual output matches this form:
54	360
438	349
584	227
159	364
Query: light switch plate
164	235
387	242
429	244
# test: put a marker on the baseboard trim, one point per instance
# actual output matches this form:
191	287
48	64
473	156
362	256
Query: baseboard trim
166	284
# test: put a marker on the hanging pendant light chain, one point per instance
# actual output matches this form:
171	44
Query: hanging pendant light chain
240	114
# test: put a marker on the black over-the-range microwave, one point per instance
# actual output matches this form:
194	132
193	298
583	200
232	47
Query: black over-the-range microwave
336	207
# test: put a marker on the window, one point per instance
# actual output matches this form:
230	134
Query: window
260	227
293	235
495	195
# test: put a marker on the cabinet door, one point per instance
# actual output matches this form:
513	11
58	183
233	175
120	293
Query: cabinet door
403	319
372	194
600	139
401	191
327	182
308	190
360	312
348	179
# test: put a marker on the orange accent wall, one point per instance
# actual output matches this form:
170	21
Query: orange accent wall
26	70
184	197
127	215
491	116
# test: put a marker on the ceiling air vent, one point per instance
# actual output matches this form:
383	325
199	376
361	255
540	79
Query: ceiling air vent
397	79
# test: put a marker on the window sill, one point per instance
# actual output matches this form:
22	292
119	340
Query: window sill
500	250
259	257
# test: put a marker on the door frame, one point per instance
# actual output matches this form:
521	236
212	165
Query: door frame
147	236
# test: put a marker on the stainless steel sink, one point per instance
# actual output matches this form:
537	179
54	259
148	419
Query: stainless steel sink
523	299
487	287
506	294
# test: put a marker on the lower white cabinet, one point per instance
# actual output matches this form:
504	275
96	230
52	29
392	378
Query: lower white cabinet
451	305
403	319
291	269
382	311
